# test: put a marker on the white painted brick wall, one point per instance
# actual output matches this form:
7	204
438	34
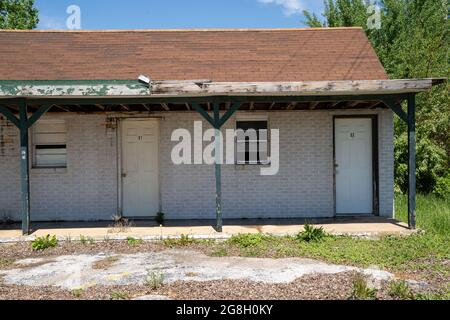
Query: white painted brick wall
87	190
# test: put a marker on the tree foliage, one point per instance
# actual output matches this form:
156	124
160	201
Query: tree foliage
413	42
18	14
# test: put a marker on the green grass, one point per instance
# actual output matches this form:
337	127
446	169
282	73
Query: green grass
423	252
433	213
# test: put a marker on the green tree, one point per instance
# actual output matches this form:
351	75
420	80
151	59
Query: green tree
18	14
413	42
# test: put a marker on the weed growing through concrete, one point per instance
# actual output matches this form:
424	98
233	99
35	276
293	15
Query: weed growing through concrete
154	280
86	240
312	233
119	295
400	290
361	290
134	242
42	243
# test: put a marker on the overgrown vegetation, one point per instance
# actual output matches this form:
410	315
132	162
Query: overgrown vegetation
6	263
412	42
183	241
134	242
361	290
86	240
433	213
42	243
119	295
312	233
400	290
154	280
248	240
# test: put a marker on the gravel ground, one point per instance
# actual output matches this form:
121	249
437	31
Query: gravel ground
311	287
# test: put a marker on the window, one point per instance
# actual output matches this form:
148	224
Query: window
49	144
252	142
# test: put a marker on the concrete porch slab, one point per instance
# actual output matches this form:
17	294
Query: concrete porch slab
371	227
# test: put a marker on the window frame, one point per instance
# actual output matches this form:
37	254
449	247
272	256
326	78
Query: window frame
252	118
50	146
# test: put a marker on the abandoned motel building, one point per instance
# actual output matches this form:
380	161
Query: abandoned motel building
85	137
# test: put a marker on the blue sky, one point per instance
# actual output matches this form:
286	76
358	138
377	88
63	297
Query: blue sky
156	14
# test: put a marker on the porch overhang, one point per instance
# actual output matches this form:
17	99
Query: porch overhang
203	96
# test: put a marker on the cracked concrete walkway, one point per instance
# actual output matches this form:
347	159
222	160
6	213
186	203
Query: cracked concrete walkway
77	271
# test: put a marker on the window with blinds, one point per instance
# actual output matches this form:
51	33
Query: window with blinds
49	144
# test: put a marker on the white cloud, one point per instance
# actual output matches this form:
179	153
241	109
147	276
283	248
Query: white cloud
290	7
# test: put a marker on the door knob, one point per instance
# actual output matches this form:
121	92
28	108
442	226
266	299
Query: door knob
124	175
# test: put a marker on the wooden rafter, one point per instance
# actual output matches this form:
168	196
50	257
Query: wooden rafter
314	105
61	108
188	106
292	106
165	106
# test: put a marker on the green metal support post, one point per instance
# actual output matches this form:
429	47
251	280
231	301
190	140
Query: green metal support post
217	122
24	168
23	124
218	165
412	161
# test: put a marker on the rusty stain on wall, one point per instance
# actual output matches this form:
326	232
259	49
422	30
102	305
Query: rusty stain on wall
8	137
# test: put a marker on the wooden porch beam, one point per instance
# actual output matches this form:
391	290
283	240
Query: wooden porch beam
188	106
165	106
292	106
397	108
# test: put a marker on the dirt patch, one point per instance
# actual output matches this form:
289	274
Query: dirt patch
106	263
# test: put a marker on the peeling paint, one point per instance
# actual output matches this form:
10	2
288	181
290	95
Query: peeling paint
72	88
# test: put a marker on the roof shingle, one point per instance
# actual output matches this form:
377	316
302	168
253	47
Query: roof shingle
217	55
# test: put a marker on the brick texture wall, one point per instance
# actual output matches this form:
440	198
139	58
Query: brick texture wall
87	189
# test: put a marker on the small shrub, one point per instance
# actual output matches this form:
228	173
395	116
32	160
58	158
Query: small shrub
119	295
400	290
160	218
442	188
248	240
6	263
134	242
42	243
311	233
183	241
86	240
120	224
77	293
361	290
154	280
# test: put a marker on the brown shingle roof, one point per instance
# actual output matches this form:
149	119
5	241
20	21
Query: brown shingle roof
217	55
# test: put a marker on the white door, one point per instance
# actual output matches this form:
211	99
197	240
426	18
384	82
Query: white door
140	168
354	166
